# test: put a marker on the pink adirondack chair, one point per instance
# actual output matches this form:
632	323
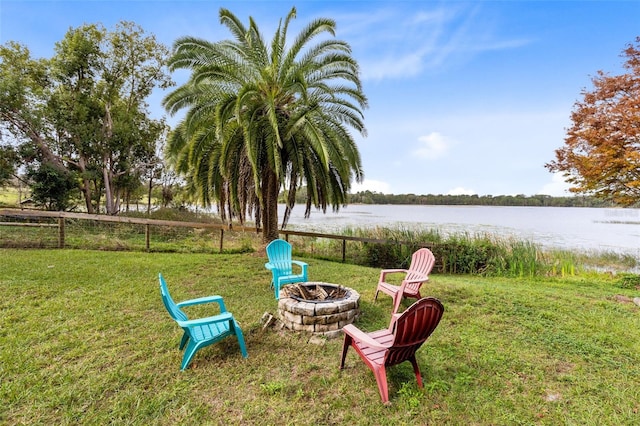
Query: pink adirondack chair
422	262
398	343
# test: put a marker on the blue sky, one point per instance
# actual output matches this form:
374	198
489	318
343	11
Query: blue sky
464	97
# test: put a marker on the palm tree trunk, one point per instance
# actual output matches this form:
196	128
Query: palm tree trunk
270	191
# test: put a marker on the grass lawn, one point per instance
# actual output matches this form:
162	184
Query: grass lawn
85	340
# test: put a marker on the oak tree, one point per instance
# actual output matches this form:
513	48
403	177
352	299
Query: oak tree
84	111
601	154
8	164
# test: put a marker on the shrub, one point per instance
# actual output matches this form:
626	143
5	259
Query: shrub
628	281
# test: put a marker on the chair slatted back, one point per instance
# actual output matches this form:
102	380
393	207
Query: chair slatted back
413	328
175	312
422	262
279	254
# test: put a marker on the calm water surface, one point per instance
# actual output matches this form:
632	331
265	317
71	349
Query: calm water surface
559	227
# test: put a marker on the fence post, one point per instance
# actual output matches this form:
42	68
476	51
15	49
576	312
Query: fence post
344	250
61	232
221	238
147	235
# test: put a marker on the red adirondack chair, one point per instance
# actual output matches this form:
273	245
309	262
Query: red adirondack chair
398	343
422	262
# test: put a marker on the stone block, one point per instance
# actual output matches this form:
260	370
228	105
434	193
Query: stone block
347	305
288	317
326	308
332	334
302	327
340	316
322	328
302	308
313	319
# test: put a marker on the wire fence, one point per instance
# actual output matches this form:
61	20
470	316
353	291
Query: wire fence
45	229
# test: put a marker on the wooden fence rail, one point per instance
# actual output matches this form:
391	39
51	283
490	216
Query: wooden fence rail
147	223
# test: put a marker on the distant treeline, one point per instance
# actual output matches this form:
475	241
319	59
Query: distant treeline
368	197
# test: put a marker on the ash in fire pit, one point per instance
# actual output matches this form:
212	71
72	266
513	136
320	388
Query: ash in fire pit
320	308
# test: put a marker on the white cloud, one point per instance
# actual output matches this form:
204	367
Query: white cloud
393	67
390	45
433	146
371	185
558	187
461	191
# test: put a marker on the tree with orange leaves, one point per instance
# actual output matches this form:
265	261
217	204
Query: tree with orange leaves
601	154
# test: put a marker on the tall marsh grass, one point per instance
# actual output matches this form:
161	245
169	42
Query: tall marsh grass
485	254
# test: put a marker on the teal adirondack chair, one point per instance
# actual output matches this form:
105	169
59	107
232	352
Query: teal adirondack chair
201	332
281	266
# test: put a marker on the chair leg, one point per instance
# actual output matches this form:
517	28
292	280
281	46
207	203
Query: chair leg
376	297
240	338
345	347
397	300
416	370
185	339
381	378
188	354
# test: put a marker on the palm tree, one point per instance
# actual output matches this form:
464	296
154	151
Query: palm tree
261	118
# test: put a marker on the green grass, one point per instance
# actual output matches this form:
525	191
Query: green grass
86	340
8	196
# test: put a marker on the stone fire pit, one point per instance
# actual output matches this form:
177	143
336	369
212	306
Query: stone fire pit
317	307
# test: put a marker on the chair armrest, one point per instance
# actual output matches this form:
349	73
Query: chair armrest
202	300
269	265
302	265
384	272
363	337
207	320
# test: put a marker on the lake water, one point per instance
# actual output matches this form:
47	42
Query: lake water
573	228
